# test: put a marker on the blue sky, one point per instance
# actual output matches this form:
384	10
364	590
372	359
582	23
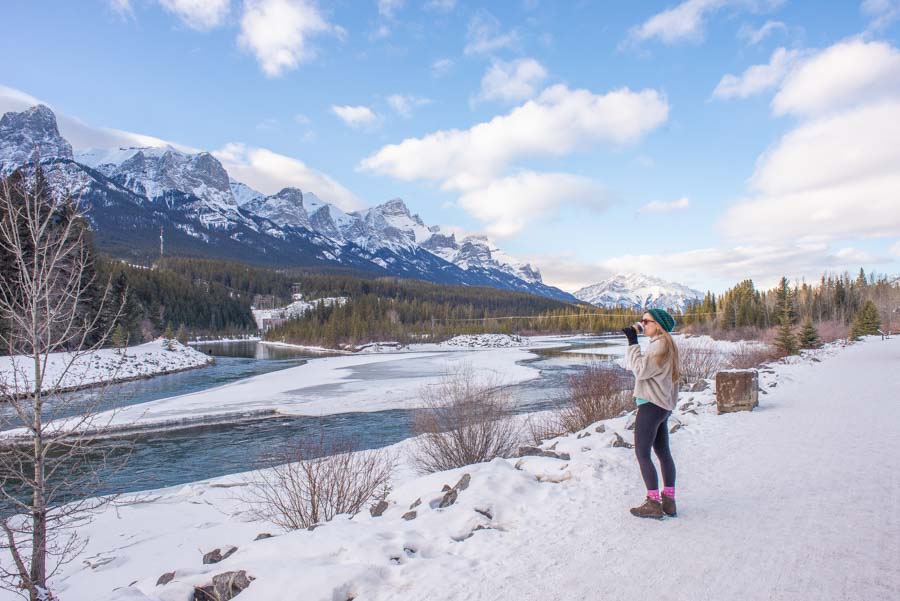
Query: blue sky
704	141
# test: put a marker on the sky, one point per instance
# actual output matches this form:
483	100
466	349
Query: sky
704	142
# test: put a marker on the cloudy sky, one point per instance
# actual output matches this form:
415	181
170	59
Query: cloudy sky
704	142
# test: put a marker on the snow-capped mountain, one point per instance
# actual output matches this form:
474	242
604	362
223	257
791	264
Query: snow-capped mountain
133	193
637	291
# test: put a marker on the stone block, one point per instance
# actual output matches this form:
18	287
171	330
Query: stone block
737	390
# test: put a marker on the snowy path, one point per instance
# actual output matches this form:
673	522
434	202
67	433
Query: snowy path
794	501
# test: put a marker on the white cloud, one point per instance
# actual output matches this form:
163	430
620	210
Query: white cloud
475	161
666	207
269	172
199	14
882	12
301	119
441	67
757	78
844	74
511	81
755	36
277	32
895	248
355	116
441	6
485	35
834	176
405	104
685	22
388	8
122	7
509	203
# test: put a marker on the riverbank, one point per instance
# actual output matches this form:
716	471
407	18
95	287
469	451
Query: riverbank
746	527
67	372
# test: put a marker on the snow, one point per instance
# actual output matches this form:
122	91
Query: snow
295	309
637	291
104	365
485	341
790	501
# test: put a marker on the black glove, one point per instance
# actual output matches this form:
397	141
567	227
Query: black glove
630	334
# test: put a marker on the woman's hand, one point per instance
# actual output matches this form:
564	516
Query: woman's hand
630	334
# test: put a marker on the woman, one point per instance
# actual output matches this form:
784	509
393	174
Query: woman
655	392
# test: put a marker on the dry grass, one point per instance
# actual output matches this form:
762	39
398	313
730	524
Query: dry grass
544	426
463	420
317	479
750	355
700	358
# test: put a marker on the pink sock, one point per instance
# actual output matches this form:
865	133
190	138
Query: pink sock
669	491
653	494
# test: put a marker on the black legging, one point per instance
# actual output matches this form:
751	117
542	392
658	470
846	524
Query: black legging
651	428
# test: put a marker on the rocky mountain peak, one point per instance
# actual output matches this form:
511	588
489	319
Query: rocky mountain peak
638	291
30	132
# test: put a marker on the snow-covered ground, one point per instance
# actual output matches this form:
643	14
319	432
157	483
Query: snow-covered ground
792	501
295	309
105	365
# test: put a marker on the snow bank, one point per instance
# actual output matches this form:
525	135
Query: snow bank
485	341
105	365
760	516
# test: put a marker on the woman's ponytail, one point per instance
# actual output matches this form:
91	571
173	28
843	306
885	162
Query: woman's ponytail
670	353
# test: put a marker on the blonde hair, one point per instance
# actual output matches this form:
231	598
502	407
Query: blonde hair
670	353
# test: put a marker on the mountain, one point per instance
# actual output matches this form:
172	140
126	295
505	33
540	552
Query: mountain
131	195
638	291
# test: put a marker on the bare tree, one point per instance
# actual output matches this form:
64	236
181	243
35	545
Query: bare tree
463	420
318	478
50	326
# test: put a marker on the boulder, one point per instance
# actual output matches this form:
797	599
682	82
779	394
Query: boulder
600	429
224	587
451	495
416	503
536	452
262	535
409	515
737	390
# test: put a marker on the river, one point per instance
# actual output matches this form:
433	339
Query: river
161	459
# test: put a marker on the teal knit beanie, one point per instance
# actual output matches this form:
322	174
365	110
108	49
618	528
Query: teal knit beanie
662	317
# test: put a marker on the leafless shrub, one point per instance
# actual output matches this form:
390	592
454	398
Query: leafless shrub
829	331
463	420
544	426
595	394
700	359
749	355
316	479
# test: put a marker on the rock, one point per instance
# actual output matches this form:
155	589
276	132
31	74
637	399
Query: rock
165	579
416	503
312	527
737	390
409	515
379	508
215	556
536	452
445	488
463	483
630	424
583	435
620	442
486	513
224	587
686	406
262	536
675	428
449	498
600	429
773	384
699	386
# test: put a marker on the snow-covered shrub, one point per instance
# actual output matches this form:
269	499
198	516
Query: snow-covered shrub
463	420
543	426
597	393
318	478
748	355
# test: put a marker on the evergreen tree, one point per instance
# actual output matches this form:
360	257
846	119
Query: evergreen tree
866	322
786	341
809	336
168	342
119	338
181	335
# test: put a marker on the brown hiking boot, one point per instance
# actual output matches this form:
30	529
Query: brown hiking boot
668	506
650	509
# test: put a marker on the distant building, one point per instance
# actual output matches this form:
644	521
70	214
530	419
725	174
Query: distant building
296	292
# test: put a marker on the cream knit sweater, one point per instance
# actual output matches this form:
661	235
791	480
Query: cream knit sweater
652	380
